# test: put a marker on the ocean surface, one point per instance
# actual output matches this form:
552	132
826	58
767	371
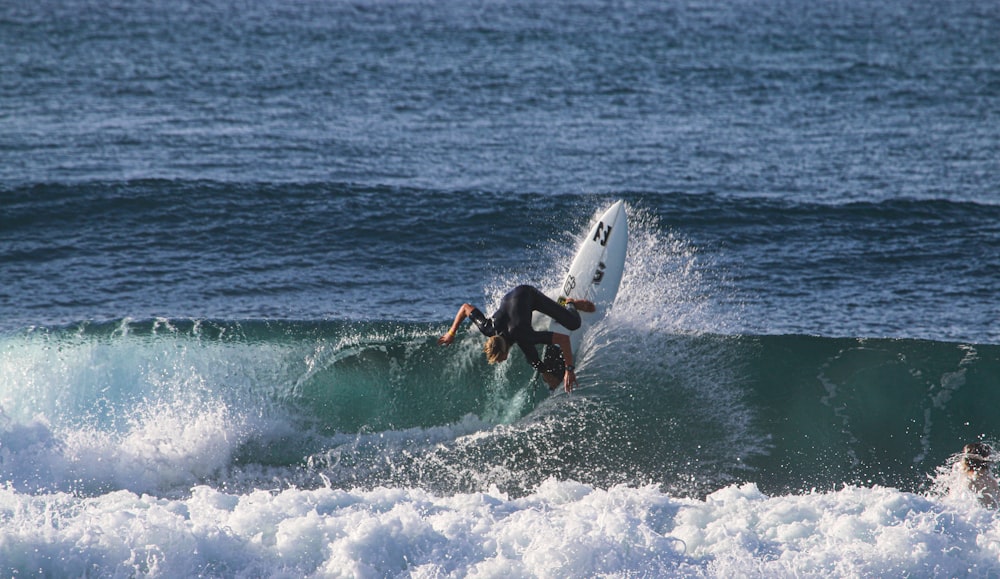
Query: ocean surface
231	233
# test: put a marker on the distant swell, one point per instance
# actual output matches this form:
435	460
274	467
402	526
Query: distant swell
148	248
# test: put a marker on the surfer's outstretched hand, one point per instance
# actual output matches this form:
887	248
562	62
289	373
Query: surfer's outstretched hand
463	312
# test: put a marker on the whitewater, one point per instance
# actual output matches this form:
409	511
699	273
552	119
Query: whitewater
563	529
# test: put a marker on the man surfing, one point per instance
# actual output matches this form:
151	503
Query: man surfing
512	324
974	465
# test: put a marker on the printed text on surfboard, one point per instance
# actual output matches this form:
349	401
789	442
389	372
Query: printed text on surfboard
601	234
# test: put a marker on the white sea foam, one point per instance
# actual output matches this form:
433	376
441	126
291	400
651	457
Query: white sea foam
163	447
563	529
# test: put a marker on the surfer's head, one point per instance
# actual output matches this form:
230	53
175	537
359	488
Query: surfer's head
496	349
976	456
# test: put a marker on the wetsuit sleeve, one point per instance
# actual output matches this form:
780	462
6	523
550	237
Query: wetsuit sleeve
484	324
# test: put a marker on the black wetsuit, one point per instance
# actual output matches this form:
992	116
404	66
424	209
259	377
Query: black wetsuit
512	320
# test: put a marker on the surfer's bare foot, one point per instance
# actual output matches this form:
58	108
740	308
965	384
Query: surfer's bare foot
583	305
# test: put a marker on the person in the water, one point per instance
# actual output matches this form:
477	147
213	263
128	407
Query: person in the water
511	324
974	465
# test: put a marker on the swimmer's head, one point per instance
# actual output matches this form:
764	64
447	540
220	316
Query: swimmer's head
976	455
496	349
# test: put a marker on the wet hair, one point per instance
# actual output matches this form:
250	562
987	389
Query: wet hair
976	455
496	348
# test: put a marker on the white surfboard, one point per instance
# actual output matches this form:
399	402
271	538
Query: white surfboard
596	271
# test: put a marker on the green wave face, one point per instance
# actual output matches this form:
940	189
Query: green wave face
381	403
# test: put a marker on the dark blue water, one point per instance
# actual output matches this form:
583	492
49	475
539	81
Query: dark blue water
847	100
154	248
230	233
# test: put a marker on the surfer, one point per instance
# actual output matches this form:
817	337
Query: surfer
974	465
512	324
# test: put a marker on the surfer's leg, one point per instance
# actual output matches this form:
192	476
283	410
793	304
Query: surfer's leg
568	318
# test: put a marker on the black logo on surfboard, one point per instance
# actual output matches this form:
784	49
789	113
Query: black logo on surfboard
601	234
599	273
569	285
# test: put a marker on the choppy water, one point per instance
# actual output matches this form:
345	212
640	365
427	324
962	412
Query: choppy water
230	234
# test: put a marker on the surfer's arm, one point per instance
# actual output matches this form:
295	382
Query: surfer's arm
562	340
463	312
